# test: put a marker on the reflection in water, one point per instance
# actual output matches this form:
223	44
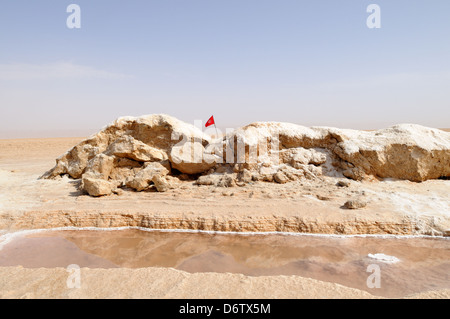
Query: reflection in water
424	263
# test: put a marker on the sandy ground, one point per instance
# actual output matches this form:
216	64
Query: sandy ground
394	207
18	282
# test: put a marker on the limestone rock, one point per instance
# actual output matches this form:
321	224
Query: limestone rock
256	177
143	178
280	178
267	178
302	156
219	180
355	173
74	162
161	183
191	158
125	162
211	179
120	175
355	203
293	174
270	170
275	136
97	187
100	166
245	176
343	183
129	147
227	180
132	151
159	132
404	151
123	169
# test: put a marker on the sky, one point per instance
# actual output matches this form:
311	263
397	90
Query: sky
313	63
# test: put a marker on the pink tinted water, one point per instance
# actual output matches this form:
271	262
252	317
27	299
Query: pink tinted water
424	262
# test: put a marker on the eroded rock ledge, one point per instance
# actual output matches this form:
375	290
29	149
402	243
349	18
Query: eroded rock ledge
266	223
158	151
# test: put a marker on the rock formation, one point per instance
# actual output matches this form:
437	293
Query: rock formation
159	150
131	152
407	151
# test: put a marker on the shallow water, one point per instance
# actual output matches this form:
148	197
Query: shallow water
424	263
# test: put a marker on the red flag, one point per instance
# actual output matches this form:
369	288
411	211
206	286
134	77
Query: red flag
210	121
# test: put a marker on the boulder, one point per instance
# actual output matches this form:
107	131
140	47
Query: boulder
142	179
292	174
355	203
129	147
207	180
191	158
355	173
280	178
100	166
123	169
97	187
161	183
343	183
227	180
219	180
245	176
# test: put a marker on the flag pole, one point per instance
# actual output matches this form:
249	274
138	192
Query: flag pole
217	134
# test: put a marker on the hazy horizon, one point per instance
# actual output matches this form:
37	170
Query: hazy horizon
24	134
305	62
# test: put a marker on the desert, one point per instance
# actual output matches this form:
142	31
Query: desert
184	150
320	180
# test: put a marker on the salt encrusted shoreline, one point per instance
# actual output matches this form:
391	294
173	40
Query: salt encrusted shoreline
308	205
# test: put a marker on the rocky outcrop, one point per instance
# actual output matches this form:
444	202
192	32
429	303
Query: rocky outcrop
143	139
406	151
131	152
141	152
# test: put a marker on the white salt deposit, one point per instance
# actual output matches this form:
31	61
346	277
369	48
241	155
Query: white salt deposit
420	205
6	237
384	258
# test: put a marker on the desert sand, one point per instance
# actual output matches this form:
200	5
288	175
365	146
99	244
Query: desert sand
396	207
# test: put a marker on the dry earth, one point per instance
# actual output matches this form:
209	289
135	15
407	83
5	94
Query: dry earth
314	206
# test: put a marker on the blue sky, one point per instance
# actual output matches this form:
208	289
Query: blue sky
306	62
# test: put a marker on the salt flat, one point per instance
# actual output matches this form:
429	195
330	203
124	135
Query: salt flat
309	206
